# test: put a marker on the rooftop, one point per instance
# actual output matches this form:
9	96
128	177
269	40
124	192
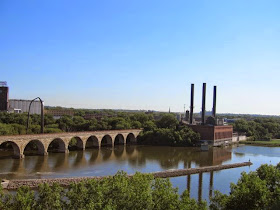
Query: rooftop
3	84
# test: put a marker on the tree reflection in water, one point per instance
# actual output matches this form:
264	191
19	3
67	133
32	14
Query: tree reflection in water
137	157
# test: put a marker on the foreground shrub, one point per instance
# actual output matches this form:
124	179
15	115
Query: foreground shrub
255	190
50	197
140	191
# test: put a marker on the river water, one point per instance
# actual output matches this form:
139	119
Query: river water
107	161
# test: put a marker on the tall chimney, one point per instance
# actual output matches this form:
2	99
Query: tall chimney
203	103
214	101
191	107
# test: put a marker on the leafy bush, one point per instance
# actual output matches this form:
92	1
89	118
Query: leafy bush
255	190
259	129
169	137
140	191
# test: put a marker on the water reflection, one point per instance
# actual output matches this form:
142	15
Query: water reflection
118	151
211	184
131	158
137	157
200	186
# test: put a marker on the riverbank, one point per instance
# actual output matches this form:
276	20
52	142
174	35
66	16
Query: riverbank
34	183
272	143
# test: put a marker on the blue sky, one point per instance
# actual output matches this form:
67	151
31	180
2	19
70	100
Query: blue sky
143	54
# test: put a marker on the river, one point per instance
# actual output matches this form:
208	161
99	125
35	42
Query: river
107	161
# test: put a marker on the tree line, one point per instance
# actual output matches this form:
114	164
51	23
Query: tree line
12	124
167	131
158	129
259	128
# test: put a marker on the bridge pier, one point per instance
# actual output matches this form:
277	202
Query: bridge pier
20	156
200	187
189	184
211	184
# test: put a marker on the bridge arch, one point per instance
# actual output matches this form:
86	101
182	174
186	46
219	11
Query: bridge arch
57	145
119	140
76	143
91	142
106	141
35	144
130	139
15	147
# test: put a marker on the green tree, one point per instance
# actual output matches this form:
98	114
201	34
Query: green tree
50	197
164	195
167	121
149	126
24	199
250	192
188	203
65	123
241	126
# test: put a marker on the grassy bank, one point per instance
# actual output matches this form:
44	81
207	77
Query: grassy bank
272	143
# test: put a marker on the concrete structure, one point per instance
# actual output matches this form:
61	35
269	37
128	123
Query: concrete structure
84	139
221	121
238	137
4	96
214	135
22	106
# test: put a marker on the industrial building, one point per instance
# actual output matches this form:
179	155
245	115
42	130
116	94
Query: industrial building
16	105
21	106
4	96
212	129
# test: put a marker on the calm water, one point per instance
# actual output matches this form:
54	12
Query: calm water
108	161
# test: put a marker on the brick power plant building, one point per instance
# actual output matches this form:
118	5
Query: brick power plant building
209	129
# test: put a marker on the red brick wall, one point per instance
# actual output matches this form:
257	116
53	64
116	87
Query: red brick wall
206	132
223	132
213	132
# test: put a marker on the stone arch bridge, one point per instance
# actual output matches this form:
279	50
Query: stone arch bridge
62	140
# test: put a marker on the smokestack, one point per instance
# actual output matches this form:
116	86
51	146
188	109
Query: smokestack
203	103
214	102
191	107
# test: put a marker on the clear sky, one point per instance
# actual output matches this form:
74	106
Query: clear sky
143	54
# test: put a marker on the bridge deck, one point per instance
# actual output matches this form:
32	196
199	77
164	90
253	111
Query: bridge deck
65	134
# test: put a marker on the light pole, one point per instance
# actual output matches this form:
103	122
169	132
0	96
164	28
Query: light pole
42	115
